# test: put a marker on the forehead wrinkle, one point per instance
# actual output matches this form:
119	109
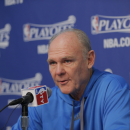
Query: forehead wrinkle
58	55
63	49
63	53
61	58
69	38
63	46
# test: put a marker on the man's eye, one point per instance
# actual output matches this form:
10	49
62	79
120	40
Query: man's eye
52	63
67	61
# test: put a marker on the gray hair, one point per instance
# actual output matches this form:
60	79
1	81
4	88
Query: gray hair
82	37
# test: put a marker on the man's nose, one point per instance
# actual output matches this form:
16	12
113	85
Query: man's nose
60	69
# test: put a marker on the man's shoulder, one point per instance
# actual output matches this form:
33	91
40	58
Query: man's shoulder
107	77
106	80
108	85
114	79
112	84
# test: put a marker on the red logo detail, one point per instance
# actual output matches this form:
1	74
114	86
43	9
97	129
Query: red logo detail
42	98
28	28
96	23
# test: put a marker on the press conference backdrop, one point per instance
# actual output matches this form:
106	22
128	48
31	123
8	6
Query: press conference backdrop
26	27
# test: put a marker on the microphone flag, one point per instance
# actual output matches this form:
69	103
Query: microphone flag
39	93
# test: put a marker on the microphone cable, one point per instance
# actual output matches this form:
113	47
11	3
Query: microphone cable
9	117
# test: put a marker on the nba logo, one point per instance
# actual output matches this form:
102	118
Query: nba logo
94	24
26	31
41	95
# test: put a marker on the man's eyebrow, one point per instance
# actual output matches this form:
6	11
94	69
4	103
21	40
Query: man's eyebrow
63	58
49	60
68	57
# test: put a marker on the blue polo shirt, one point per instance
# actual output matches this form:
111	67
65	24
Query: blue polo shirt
106	107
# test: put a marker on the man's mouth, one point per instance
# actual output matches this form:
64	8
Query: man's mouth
63	82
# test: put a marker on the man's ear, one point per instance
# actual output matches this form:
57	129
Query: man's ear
91	58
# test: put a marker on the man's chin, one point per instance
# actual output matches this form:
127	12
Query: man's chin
65	91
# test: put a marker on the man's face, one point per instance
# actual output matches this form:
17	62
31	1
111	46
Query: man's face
67	66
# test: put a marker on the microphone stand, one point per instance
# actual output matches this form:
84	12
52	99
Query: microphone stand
24	101
24	118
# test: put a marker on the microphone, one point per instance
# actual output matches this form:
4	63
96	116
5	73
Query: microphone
37	95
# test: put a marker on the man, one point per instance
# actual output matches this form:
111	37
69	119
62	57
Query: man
84	98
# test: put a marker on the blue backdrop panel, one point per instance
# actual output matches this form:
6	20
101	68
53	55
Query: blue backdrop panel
27	26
